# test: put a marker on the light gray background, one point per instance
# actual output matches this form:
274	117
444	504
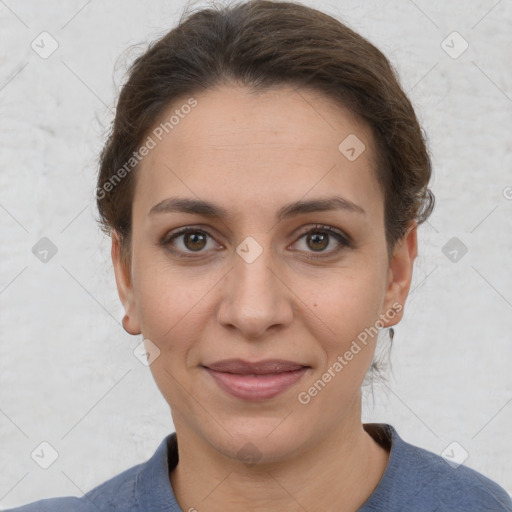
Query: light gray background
68	375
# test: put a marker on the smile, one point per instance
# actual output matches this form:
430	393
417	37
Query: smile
256	387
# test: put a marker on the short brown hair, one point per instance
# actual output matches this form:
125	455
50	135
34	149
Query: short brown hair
261	44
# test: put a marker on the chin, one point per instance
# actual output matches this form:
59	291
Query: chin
258	440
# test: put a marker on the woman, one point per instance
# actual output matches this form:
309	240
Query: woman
262	185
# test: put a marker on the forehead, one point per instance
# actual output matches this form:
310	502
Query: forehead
251	148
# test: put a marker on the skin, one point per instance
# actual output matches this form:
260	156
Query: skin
252	154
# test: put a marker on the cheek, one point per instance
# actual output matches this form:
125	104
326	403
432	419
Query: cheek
344	304
165	309
171	307
344	330
172	311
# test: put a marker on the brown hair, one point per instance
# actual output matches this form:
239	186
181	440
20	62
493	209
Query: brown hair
261	44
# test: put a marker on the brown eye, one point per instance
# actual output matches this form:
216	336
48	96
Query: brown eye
323	240
194	241
188	241
317	241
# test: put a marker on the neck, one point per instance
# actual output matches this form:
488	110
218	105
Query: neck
338	473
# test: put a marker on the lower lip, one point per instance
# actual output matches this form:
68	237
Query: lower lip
256	387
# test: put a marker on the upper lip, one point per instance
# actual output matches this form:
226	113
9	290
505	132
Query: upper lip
258	367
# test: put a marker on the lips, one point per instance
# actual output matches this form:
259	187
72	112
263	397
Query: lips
260	380
258	368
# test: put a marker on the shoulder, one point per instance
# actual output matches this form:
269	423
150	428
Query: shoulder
53	505
117	494
455	485
424	481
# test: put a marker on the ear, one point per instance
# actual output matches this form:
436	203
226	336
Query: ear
122	271
400	277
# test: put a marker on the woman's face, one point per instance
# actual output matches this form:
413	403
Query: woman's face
248	281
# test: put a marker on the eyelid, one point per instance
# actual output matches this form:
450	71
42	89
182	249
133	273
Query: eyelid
344	241
165	241
327	228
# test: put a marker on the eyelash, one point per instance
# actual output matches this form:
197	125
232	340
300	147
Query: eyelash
344	240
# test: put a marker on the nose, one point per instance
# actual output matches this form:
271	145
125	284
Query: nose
255	296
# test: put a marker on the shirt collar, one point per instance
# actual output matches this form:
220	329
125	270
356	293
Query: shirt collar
153	487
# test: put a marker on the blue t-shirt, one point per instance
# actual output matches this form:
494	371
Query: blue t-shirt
415	480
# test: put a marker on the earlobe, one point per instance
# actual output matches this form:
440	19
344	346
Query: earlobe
128	327
124	284
400	277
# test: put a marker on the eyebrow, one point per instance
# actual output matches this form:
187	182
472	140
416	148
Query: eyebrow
208	209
